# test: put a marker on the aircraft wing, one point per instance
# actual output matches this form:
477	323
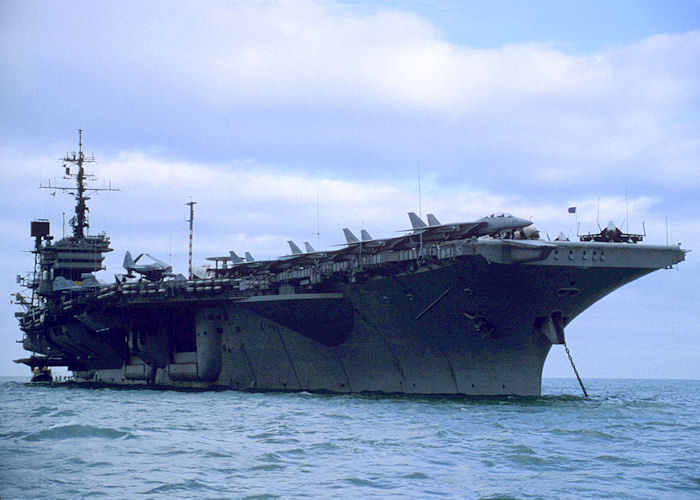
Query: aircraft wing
249	267
450	231
468	229
305	258
372	245
155	260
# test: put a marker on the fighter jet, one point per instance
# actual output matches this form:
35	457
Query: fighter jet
152	272
499	223
435	231
492	224
369	243
300	258
612	233
250	265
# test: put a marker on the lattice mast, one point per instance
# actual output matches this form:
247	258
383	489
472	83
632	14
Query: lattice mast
191	221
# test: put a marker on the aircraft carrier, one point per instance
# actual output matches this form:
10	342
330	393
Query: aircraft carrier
467	308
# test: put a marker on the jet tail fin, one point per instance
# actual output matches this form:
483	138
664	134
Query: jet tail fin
349	236
365	235
416	222
128	261
295	249
309	248
248	257
432	220
235	259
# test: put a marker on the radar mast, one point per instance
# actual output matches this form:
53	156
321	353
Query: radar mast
79	221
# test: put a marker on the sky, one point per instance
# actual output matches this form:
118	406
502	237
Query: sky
292	119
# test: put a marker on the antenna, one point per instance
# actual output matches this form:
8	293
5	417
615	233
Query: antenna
420	211
79	222
420	197
627	212
191	221
170	249
318	217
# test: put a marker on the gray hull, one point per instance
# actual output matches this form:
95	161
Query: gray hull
478	324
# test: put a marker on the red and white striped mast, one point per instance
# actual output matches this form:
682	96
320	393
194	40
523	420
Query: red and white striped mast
191	221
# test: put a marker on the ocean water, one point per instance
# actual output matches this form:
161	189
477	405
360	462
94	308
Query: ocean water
629	439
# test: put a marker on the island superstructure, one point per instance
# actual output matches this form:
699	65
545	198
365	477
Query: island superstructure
468	308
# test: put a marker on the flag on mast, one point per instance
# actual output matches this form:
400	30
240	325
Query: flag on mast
572	210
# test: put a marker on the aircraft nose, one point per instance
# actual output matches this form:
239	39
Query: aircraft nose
524	222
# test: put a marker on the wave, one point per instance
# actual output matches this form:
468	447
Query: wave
76	432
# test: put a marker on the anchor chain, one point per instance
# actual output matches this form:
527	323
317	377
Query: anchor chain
571	360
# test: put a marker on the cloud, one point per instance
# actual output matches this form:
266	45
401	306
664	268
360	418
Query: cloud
265	108
361	93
